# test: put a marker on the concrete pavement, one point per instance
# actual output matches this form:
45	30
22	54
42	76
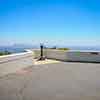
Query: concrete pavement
58	81
13	66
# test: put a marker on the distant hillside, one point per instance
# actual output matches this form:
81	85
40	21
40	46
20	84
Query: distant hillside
24	46
16	48
4	53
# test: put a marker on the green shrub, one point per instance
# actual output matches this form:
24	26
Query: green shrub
63	49
4	53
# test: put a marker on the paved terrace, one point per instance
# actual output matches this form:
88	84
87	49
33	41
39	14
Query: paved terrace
53	81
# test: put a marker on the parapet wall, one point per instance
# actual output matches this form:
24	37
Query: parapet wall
85	56
71	55
56	54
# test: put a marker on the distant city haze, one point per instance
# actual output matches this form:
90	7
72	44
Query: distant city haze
52	22
22	48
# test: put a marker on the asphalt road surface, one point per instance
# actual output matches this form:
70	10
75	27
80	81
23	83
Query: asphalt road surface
58	81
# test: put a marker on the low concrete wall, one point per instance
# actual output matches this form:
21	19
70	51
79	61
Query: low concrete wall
71	55
85	56
12	63
56	54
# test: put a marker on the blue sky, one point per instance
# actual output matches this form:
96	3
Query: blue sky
56	22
